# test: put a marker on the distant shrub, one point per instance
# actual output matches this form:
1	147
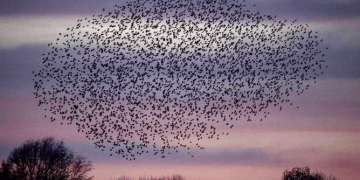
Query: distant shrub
298	173
123	178
173	177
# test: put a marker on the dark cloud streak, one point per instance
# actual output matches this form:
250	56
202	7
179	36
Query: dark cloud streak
48	7
308	9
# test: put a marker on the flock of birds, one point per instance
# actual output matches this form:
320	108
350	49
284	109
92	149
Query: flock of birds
156	76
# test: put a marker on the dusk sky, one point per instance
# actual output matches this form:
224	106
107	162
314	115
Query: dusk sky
323	133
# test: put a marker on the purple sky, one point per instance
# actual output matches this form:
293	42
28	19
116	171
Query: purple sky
322	134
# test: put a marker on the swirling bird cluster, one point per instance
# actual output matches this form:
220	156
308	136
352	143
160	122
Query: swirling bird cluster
157	76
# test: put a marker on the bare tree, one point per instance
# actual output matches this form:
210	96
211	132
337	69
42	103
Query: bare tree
298	173
45	159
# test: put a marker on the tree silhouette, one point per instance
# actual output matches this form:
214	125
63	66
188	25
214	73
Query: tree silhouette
298	173
45	159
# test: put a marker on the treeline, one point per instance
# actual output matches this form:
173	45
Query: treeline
173	177
49	159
